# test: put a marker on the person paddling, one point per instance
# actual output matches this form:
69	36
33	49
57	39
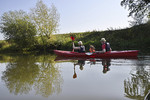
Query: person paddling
80	48
105	46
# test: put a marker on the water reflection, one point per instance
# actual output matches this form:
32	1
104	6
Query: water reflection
138	84
49	79
106	63
81	63
41	75
24	72
135	87
20	75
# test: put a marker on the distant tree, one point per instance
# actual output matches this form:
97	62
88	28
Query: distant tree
46	20
15	25
139	9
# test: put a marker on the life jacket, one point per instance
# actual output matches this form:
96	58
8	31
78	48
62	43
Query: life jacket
91	50
82	49
107	46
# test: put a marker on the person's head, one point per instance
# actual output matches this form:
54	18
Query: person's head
105	69
92	47
103	40
81	67
80	43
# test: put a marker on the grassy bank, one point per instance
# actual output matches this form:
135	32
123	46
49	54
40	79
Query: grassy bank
137	37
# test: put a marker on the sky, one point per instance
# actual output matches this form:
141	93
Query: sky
78	15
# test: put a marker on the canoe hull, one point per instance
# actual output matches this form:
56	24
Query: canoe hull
112	54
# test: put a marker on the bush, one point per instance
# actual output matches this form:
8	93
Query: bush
2	43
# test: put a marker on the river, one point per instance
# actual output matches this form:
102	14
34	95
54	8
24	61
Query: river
47	77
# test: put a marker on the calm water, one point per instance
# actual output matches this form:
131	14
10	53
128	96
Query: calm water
46	77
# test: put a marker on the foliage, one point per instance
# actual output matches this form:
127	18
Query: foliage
139	9
136	37
3	43
27	72
46	20
16	27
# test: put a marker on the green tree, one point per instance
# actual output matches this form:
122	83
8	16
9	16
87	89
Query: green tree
139	9
16	26
46	20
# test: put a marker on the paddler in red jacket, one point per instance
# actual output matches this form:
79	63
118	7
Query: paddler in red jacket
105	46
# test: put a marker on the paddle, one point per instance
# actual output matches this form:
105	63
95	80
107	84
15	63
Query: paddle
72	38
74	75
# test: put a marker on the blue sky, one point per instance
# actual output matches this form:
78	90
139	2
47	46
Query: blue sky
78	15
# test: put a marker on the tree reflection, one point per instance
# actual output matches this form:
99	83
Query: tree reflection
39	72
137	86
20	74
49	79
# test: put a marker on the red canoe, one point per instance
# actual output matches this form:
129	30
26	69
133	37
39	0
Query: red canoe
112	54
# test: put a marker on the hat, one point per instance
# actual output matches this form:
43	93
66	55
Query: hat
103	40
91	46
80	42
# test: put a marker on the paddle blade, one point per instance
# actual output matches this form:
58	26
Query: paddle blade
72	38
75	75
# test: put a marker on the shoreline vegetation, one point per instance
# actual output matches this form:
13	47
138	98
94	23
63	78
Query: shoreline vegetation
134	38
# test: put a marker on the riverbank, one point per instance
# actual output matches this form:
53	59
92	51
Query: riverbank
134	38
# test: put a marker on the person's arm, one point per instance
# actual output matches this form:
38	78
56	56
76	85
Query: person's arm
110	49
103	51
75	47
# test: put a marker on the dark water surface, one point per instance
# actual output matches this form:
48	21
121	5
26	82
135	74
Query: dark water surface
45	77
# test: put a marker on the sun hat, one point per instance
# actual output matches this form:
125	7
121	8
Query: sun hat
80	42
103	40
91	46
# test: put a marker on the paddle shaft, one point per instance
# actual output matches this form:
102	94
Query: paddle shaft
72	38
